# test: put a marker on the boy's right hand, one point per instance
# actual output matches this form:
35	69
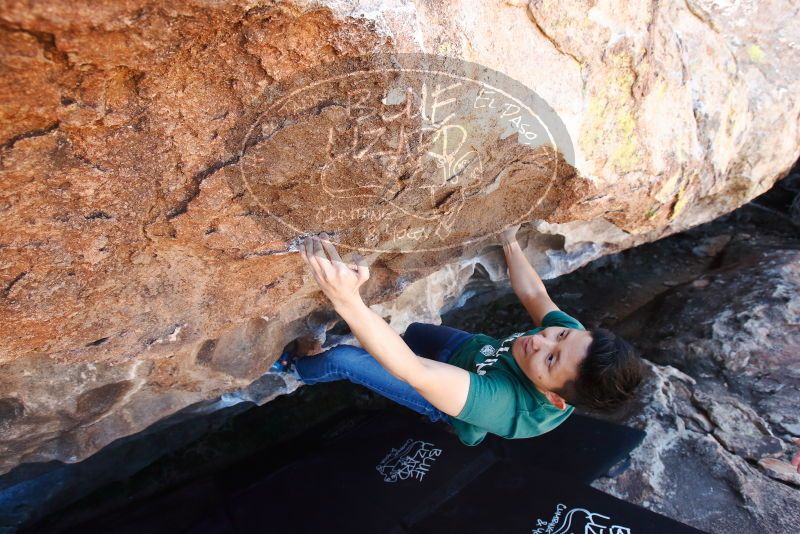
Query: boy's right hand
509	235
339	281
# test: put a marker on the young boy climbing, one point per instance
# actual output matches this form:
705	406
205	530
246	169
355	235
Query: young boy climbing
521	386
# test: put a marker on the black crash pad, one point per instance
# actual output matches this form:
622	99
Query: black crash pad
511	497
581	447
395	472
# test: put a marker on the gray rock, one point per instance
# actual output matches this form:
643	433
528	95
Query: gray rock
721	409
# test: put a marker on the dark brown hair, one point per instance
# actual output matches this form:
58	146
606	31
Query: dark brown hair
608	376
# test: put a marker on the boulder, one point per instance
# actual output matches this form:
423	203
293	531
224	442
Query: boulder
144	268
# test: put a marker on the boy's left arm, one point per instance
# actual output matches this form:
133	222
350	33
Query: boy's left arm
525	281
443	385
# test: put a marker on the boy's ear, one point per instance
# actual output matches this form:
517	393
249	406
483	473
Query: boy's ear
556	400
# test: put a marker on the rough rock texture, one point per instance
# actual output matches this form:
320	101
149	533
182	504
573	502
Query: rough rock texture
137	277
719	430
685	470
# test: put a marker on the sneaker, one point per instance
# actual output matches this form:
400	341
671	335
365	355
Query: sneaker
284	364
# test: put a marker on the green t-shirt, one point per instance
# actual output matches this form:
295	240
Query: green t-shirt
501	399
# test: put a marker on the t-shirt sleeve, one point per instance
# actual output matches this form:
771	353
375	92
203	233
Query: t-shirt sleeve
559	318
491	402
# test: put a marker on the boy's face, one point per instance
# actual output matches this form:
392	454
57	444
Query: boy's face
551	358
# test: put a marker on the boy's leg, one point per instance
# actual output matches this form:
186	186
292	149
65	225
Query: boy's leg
433	341
347	362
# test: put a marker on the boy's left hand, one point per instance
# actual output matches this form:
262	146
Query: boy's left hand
796	458
339	281
509	235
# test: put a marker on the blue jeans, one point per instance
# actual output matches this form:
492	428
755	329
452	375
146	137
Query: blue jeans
348	362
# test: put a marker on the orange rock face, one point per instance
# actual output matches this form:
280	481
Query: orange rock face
147	247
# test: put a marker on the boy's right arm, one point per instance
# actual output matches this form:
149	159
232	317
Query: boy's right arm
443	385
525	281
